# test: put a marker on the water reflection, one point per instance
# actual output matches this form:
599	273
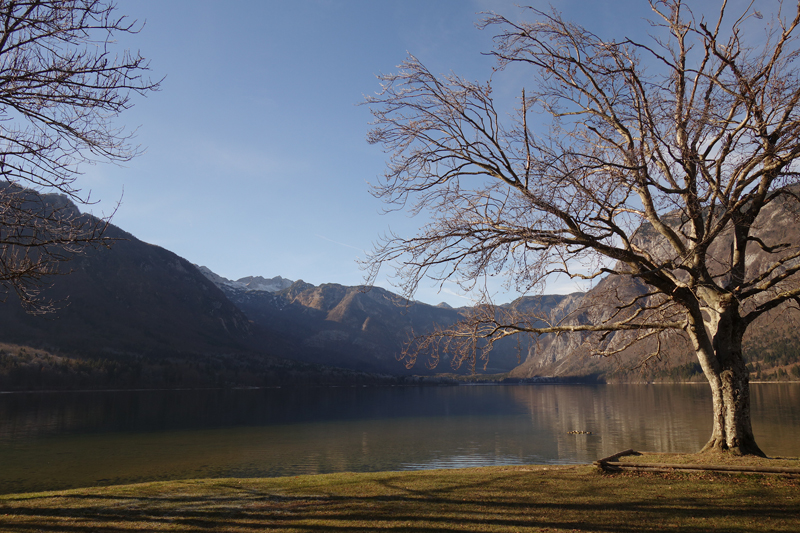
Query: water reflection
50	441
657	418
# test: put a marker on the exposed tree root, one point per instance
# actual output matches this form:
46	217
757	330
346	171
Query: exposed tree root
716	445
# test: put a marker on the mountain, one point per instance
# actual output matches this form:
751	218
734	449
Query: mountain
249	283
137	315
772	343
360	327
140	312
350	327
132	298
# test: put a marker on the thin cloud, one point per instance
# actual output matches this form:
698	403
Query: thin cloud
340	243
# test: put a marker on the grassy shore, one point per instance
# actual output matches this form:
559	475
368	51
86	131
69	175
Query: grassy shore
518	498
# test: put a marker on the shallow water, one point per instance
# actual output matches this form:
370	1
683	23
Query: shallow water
63	440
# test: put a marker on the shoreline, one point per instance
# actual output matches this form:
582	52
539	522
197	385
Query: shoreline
376	386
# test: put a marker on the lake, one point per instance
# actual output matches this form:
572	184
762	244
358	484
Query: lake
61	440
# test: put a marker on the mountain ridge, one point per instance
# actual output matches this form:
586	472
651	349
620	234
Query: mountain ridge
140	315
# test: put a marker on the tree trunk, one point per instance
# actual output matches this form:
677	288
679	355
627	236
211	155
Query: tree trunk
729	379
731	430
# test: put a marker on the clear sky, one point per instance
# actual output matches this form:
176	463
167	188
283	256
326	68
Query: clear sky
256	161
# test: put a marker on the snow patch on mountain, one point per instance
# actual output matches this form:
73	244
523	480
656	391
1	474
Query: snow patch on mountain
249	283
257	283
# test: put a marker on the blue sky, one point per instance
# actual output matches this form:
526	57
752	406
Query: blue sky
256	161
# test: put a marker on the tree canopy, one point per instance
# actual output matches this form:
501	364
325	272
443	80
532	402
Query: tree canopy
638	159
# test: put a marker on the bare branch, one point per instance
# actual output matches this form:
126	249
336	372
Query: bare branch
61	87
655	162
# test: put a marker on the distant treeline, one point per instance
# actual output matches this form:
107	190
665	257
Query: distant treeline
25	368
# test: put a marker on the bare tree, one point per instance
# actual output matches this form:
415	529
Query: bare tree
61	87
647	158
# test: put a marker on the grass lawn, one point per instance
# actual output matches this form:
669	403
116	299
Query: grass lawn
518	498
712	458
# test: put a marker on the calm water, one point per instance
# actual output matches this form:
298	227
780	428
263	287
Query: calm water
62	440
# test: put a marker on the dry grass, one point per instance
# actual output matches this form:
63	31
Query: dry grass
574	498
711	458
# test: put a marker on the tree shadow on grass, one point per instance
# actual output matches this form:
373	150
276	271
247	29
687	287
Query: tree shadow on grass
499	503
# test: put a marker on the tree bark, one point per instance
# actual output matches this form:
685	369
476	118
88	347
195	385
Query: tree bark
731	430
727	374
